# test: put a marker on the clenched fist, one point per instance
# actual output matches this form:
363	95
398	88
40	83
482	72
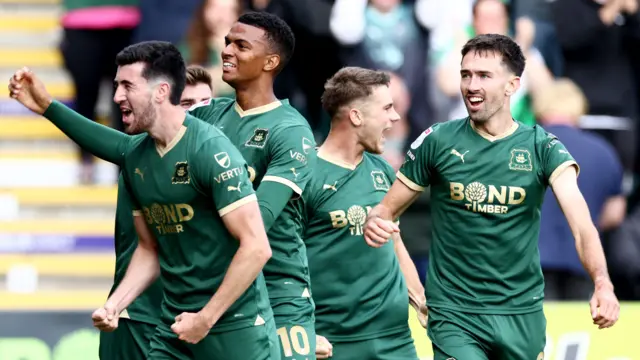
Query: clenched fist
377	231
25	87
105	318
324	349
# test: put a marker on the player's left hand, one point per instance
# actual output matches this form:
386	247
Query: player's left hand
191	327
605	307
324	349
377	231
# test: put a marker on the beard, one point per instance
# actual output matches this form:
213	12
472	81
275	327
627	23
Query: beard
144	119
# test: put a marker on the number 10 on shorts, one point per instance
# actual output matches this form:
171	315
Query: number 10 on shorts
295	339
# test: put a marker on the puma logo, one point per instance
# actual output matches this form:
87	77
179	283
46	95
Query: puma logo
233	188
456	153
330	187
295	174
139	172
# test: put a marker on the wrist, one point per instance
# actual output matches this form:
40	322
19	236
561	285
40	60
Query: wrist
602	283
209	316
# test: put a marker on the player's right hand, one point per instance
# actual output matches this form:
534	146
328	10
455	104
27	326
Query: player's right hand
105	318
377	231
25	87
324	349
605	308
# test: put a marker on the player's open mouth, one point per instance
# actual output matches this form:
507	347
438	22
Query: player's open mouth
126	112
475	101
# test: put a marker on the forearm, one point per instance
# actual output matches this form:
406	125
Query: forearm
411	277
242	272
592	256
143	270
99	140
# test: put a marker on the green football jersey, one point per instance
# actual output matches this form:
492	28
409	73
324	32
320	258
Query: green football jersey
359	291
486	195
183	191
278	145
145	308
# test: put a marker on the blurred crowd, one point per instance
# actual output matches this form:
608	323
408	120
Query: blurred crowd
582	83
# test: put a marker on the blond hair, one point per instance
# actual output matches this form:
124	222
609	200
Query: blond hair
560	98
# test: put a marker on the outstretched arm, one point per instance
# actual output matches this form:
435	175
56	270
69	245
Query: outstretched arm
101	141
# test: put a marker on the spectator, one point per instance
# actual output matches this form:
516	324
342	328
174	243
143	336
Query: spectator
597	60
198	87
386	35
491	16
559	108
94	32
205	39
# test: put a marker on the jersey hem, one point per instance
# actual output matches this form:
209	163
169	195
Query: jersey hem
562	167
237	204
409	183
487	310
283	181
143	319
364	337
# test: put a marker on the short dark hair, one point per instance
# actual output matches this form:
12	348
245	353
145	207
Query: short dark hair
511	53
196	74
161	59
350	84
278	33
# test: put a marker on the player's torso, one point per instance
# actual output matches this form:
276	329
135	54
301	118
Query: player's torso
358	290
253	132
486	195
194	246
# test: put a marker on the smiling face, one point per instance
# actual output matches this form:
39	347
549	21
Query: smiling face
134	94
247	55
377	116
486	84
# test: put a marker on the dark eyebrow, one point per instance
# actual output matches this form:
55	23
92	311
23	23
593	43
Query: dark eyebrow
123	82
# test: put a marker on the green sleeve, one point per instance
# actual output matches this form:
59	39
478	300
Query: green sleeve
555	158
101	141
416	171
208	110
125	193
221	172
292	157
272	197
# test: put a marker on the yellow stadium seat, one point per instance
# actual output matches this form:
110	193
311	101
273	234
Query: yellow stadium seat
17	58
28	23
102	227
73	300
99	265
72	196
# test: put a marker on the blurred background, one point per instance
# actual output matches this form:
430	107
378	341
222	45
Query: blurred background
582	83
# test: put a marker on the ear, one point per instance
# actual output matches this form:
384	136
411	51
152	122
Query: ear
271	63
512	86
163	91
355	116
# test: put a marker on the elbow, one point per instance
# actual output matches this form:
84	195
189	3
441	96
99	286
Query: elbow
261	251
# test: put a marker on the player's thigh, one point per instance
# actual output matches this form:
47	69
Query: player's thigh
255	343
522	336
165	345
458	335
130	341
295	327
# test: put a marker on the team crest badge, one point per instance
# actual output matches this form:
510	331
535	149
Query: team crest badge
380	181
258	139
181	174
223	159
520	160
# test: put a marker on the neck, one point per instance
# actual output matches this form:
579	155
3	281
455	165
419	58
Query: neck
343	145
167	125
255	95
497	124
